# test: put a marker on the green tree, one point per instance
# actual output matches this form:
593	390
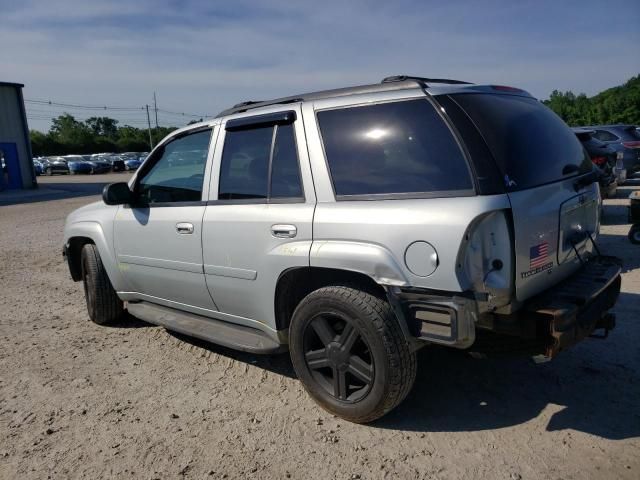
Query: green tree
66	129
616	105
103	126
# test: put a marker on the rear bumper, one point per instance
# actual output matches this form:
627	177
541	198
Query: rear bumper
566	313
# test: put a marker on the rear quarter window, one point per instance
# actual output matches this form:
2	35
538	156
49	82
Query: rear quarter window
399	148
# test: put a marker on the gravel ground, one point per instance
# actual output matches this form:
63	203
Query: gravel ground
82	401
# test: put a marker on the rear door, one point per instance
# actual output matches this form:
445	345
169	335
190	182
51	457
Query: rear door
258	222
541	161
158	239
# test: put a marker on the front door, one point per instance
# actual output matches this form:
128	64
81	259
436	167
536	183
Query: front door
158	239
259	224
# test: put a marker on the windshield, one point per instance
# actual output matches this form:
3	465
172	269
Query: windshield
532	146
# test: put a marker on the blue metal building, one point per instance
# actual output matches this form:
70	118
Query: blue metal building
16	160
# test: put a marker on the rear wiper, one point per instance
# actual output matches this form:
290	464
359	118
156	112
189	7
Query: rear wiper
570	168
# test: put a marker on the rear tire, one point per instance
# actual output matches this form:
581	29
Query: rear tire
350	354
103	304
48	172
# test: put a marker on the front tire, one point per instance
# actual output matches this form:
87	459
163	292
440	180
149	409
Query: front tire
350	354
103	304
634	234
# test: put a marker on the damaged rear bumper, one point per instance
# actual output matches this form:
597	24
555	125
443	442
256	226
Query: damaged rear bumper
566	313
545	325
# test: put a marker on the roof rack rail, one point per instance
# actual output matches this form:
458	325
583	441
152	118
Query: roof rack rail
423	80
244	106
247	103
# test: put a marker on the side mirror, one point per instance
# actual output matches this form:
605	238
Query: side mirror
117	194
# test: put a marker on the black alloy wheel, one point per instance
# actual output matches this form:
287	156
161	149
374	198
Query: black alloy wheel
338	357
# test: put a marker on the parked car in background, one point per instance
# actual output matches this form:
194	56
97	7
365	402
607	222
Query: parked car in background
117	163
603	157
87	164
132	163
624	139
79	166
53	165
38	167
100	165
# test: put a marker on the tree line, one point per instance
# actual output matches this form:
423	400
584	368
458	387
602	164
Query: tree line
94	135
616	105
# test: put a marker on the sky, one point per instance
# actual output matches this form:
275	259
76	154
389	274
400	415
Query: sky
203	56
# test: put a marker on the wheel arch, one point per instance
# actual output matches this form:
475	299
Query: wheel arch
296	283
77	236
73	252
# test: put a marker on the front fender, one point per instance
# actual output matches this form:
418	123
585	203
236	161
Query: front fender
370	259
104	244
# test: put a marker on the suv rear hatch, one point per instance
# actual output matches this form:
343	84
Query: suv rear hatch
548	177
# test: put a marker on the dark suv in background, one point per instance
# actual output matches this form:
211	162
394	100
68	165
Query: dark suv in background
622	138
603	157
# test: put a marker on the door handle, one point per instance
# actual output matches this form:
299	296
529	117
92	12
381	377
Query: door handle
284	231
184	228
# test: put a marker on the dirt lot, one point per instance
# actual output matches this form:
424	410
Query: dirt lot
82	401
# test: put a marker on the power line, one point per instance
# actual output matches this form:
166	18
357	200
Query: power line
107	108
122	122
84	107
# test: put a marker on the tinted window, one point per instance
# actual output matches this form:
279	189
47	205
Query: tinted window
178	170
245	164
285	174
244	172
605	136
531	144
400	147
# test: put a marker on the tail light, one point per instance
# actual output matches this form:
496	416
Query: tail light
505	88
600	161
631	144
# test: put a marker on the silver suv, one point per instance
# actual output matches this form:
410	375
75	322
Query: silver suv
353	227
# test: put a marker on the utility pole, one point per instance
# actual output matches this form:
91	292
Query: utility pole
149	124
155	107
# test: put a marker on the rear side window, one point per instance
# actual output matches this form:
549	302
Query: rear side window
531	145
605	136
260	163
392	148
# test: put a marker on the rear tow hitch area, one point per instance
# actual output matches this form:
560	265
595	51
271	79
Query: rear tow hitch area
576	307
559	317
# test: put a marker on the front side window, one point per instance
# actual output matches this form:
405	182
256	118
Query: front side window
177	173
248	157
392	148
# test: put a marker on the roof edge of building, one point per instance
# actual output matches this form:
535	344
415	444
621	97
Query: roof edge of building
11	84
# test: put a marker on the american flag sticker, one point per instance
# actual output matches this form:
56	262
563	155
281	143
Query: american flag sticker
538	255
